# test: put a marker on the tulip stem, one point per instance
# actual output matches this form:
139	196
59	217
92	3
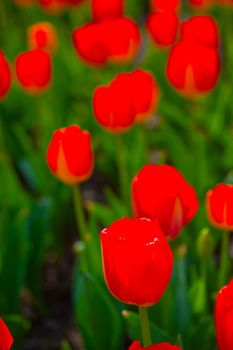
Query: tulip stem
224	259
122	173
145	326
79	212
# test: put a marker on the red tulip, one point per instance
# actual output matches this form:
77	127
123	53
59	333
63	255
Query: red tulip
137	261
161	346
165	5
160	192
33	69
224	317
105	9
219	206
113	40
113	108
5	76
42	35
163	27
57	6
201	3
200	29
70	156
6	339
193	69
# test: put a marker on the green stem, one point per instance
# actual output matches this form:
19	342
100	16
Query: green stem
224	259
145	326
122	173
79	212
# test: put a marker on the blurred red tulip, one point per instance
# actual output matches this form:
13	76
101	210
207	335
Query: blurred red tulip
105	9
193	69
70	157
224	317
57	6
219	206
201	3
165	5
6	339
5	76
42	35
116	40
202	30
137	261
160	192
163	27
160	346
33	70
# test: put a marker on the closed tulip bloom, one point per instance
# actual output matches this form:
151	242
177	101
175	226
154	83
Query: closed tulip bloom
136	345
193	69
224	317
113	108
202	30
165	5
70	156
42	35
105	9
137	261
163	27
5	76
219	206
6	339
33	70
160	192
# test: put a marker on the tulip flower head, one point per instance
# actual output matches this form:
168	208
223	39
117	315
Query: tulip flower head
160	192
42	36
224	317
137	261
5	76
33	70
6	339
70	156
136	345
115	40
104	9
219	206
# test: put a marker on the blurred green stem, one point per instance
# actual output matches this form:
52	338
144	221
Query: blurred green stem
145	326
224	259
122	173
79	212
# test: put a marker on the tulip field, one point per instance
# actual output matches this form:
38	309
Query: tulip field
116	174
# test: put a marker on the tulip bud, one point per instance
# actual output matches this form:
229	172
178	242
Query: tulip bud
5	76
70	156
136	345
219	206
6	339
163	27
105	9
205	244
33	70
160	192
137	261
224	317
42	36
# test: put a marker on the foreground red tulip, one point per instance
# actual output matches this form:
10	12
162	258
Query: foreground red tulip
163	27
6	339
42	35
202	30
219	206
160	346
113	40
70	156
137	261
105	9
5	76
224	317
33	70
193	69
160	192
